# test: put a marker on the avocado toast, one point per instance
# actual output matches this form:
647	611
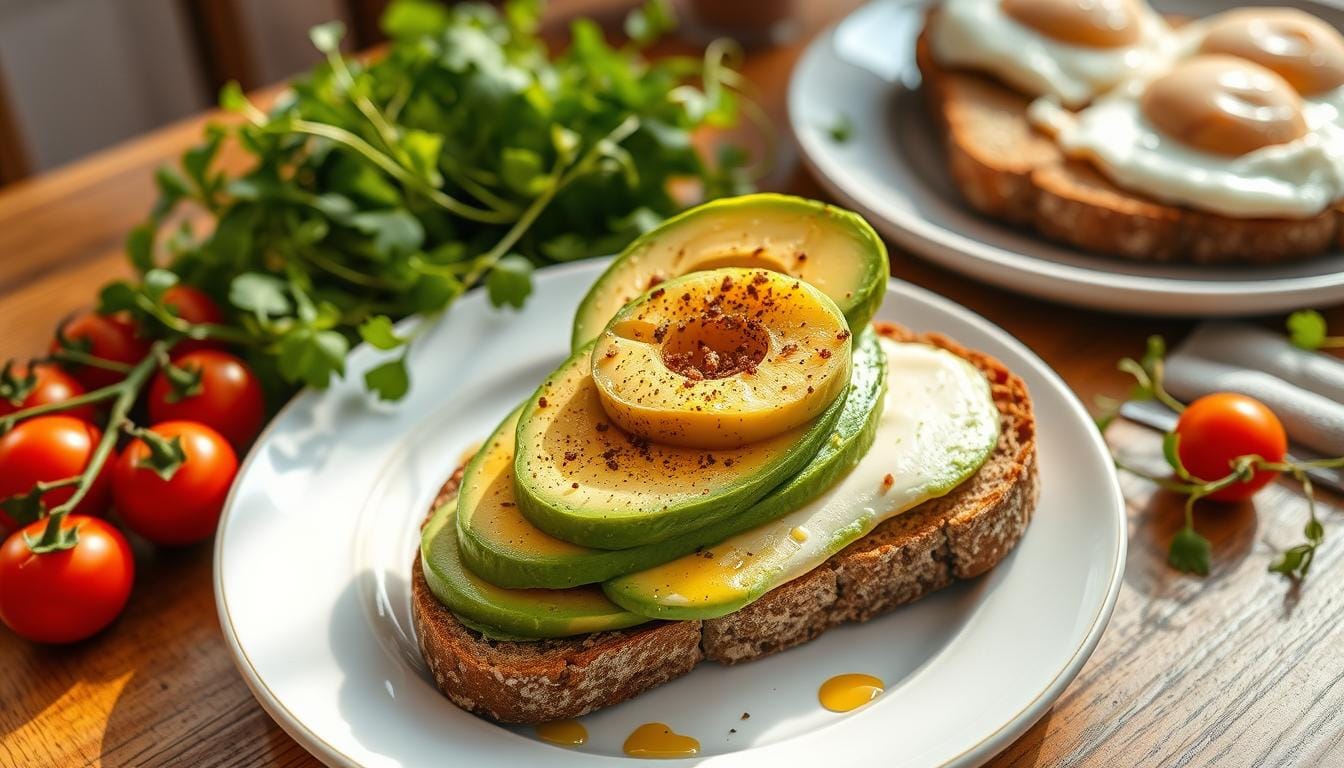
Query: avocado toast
528	611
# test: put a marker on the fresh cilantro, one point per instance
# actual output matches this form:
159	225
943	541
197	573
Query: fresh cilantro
1190	552
510	282
1307	329
464	154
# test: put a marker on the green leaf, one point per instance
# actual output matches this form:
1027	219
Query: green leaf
422	150
510	281
841	130
522	170
1315	532
157	281
140	248
1307	329
1294	562
312	357
395	232
117	297
378	331
650	21
1190	552
165	456
414	18
263	295
231	98
389	380
327	37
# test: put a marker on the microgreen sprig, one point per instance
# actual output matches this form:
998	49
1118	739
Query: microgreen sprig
1189	551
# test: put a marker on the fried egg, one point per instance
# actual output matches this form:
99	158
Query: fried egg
1068	50
1214	131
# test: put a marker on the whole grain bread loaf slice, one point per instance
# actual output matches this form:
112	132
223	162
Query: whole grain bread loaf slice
958	536
1007	169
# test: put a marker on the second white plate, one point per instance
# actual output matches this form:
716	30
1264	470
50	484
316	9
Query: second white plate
893	169
314	554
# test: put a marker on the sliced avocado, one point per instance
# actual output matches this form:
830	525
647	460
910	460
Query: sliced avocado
581	478
831	248
509	613
938	426
502	547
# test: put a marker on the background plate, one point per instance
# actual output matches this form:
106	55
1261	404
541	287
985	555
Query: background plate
314	553
893	170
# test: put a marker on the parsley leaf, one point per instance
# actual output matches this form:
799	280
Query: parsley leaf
1306	328
1190	552
510	282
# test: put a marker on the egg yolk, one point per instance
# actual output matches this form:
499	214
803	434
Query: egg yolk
1090	23
1301	48
1224	105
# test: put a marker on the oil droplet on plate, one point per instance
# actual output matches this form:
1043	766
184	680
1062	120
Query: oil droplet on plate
845	692
658	740
566	733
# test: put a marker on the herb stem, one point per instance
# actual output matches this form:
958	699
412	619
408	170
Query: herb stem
393	168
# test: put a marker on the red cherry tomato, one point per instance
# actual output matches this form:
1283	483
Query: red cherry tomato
53	386
51	448
191	304
1216	429
111	337
70	594
185	508
230	400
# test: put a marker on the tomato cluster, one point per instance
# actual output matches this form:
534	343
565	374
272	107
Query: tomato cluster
204	402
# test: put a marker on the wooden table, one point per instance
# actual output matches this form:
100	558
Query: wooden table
1240	668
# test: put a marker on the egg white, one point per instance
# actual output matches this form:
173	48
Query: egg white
1298	179
978	34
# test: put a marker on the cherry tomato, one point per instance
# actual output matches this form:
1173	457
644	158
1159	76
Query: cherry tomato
185	508
194	306
1217	428
53	386
70	594
230	400
51	448
111	337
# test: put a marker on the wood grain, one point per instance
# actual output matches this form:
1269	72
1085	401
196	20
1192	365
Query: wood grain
1235	669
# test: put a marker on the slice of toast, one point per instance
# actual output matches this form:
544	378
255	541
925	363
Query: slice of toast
958	536
1009	170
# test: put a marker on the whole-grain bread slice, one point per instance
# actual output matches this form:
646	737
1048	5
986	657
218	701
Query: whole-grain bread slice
1007	169
958	536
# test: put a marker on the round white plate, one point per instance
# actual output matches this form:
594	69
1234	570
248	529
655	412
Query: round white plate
893	170
313	559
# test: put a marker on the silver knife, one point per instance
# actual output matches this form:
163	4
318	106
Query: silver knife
1151	413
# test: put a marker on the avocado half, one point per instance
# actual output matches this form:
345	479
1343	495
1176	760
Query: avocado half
501	546
581	478
830	248
506	614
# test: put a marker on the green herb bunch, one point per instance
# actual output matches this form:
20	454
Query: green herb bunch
463	155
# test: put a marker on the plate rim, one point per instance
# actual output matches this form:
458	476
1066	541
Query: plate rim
973	755
1042	278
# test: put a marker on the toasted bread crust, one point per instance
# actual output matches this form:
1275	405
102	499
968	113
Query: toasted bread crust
1007	169
958	536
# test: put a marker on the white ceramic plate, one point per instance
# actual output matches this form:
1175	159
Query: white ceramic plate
893	170
313	560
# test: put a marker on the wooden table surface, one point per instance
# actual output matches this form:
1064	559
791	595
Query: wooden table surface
1239	668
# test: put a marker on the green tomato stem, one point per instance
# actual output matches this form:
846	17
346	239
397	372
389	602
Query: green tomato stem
126	391
96	396
77	357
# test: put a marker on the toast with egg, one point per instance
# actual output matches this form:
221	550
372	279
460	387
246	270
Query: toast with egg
1008	169
958	536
